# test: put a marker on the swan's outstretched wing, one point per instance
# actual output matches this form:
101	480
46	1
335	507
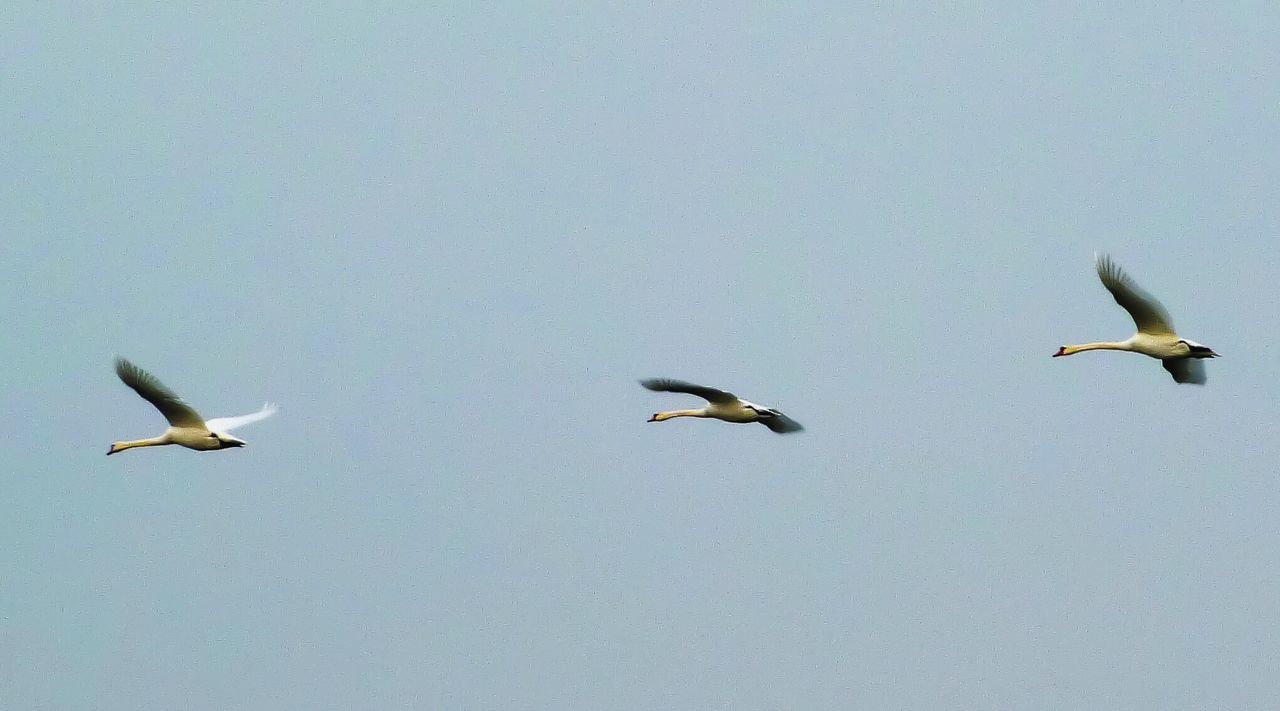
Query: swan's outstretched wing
177	412
1147	313
1186	370
226	424
780	423
679	386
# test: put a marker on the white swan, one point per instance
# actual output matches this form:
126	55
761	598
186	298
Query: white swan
186	427
721	406
1155	336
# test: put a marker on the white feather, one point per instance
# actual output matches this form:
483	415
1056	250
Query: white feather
226	424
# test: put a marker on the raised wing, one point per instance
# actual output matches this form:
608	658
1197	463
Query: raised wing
1186	370
226	424
780	423
1148	314
177	412
679	386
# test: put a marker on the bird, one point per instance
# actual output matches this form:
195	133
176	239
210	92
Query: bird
721	406
186	427
1183	358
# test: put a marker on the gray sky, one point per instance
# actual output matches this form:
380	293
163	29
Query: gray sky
447	242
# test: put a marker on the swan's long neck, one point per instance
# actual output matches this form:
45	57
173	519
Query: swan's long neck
679	413
1099	346
151	442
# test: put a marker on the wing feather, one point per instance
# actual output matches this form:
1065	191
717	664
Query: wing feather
781	424
177	412
1186	370
679	386
226	424
1148	314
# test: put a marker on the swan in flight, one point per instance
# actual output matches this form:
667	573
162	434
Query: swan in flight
1155	336
186	427
721	406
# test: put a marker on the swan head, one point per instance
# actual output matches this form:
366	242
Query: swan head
115	447
1062	350
657	417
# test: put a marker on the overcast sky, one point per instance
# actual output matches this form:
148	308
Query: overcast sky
448	241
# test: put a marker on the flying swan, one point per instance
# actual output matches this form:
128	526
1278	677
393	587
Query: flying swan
721	406
1155	336
186	427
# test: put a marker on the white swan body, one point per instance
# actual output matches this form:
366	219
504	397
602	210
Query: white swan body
1155	337
186	427
721	405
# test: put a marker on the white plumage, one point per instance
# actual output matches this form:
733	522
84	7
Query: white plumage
1155	337
186	427
721	406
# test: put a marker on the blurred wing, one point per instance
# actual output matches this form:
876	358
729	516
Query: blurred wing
177	412
1186	370
679	386
226	424
1147	313
781	424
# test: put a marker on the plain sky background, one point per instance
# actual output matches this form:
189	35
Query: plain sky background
447	242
